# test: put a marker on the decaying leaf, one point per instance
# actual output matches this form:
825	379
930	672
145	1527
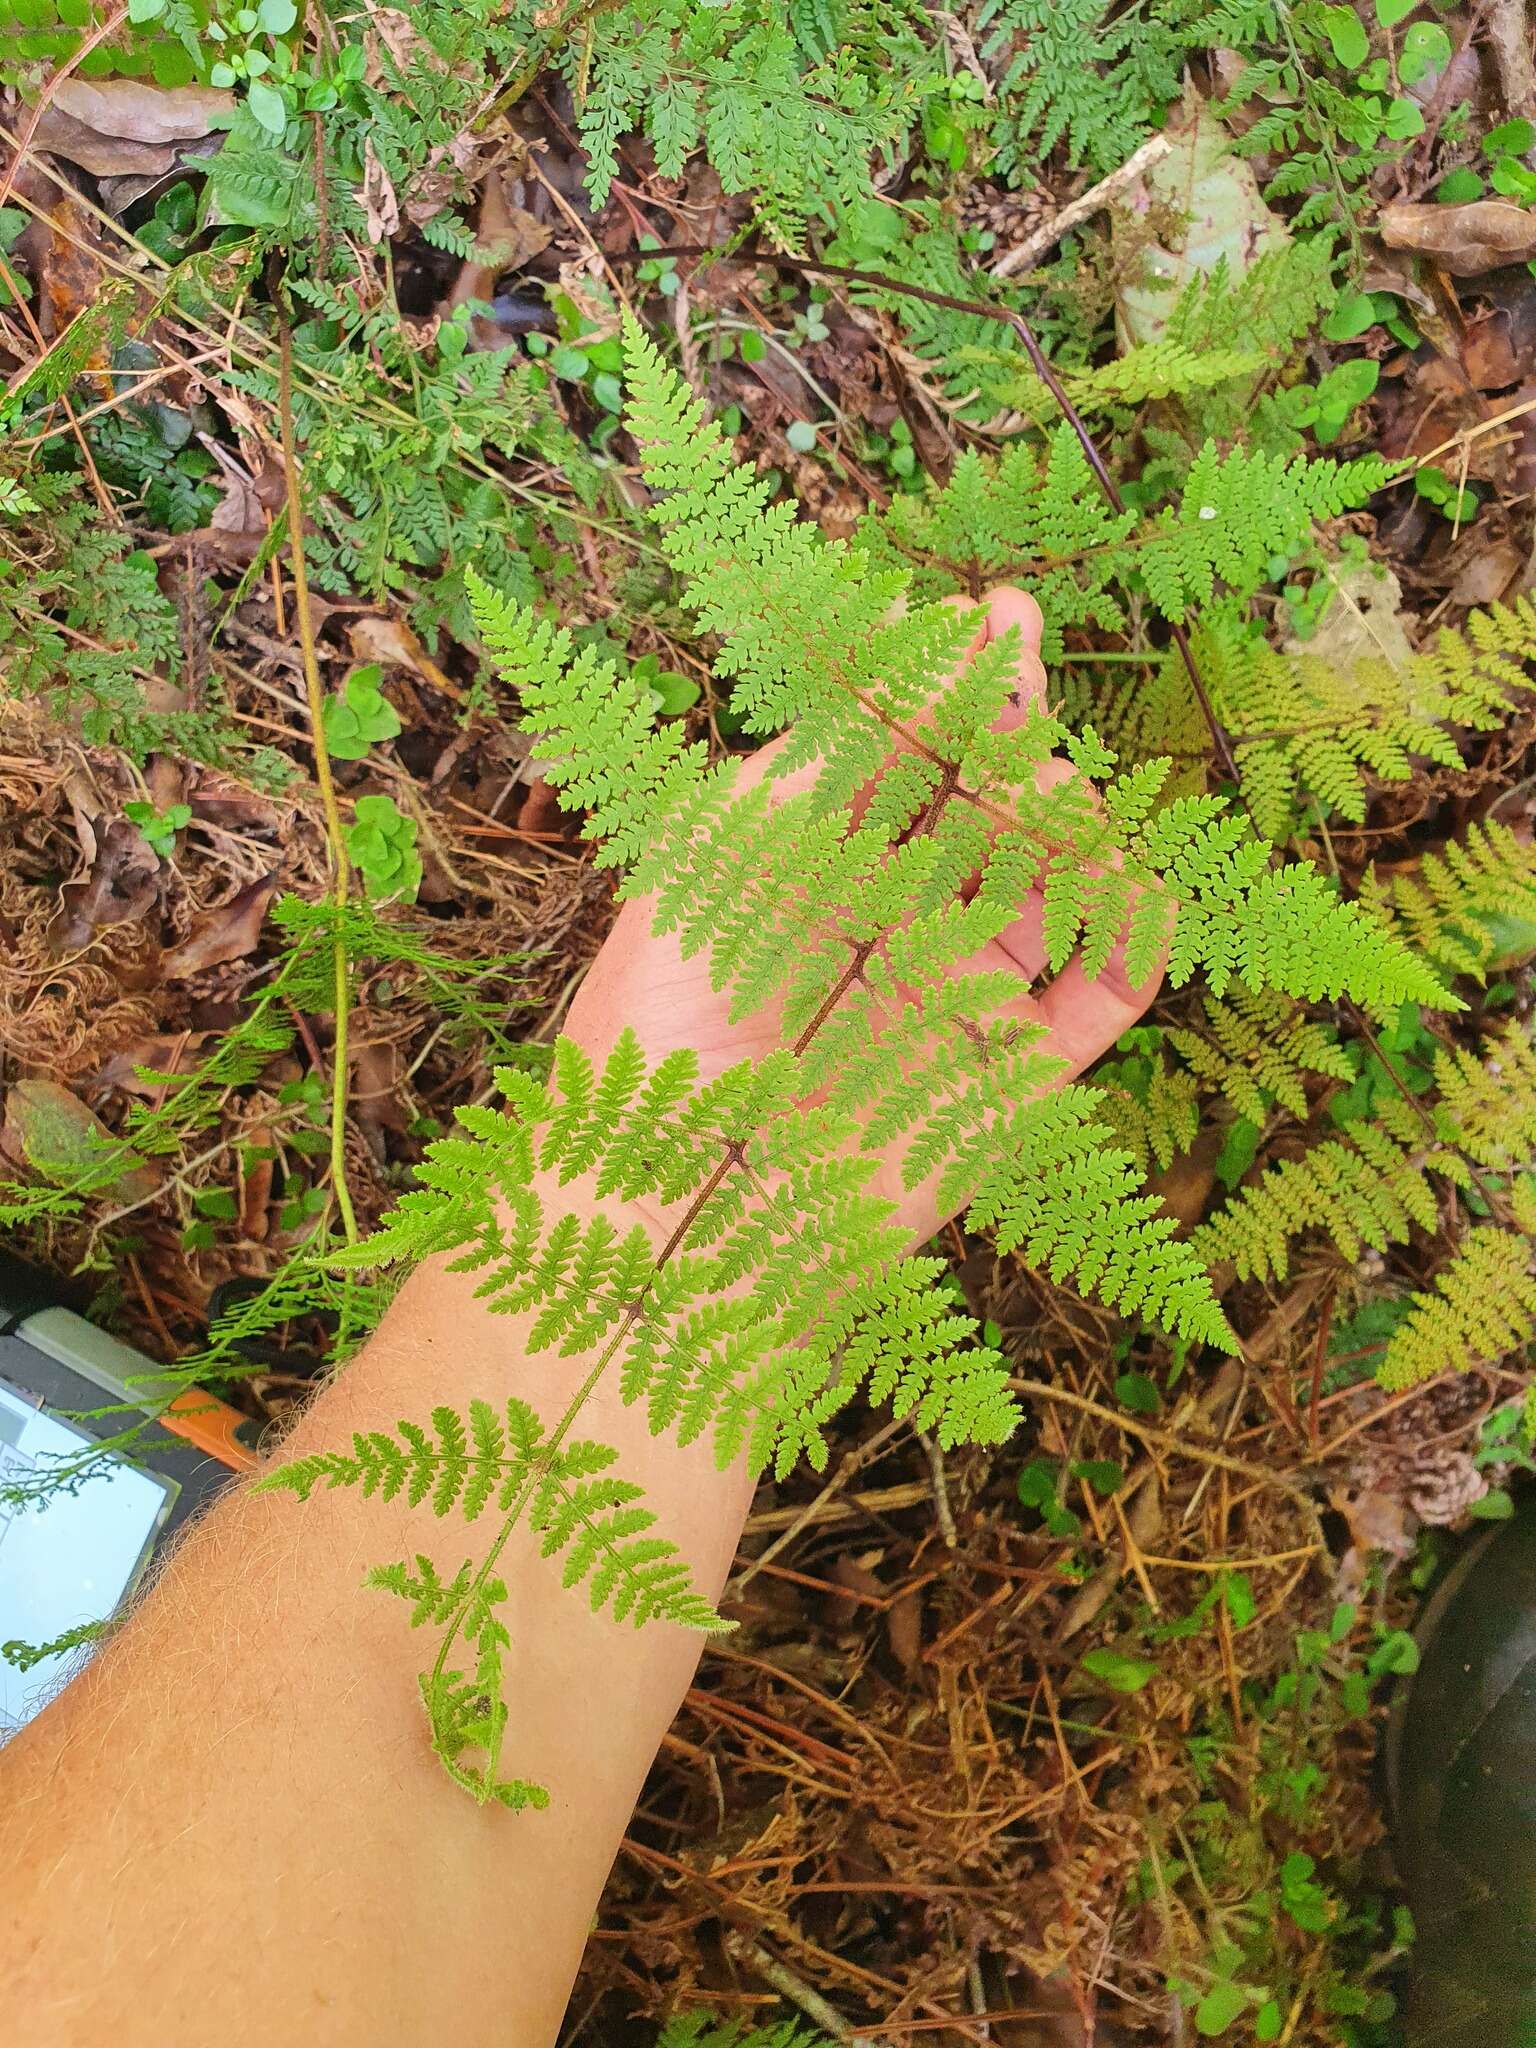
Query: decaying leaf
228	933
1362	620
1465	240
116	127
379	201
160	1052
123	882
53	1133
392	644
1216	195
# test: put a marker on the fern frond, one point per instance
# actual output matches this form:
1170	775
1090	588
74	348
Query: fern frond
463	1463
1482	1306
1367	1189
1459	901
1305	728
1490	1102
1153	1116
1237	512
1254	1050
699	2030
596	1526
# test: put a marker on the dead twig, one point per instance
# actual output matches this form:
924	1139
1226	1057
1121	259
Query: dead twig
1024	255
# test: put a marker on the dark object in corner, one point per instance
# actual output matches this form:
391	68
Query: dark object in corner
1461	1761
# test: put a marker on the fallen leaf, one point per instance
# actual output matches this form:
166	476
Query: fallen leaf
392	31
904	1627
226	803
1362	620
1487	576
391	643
161	1052
124	881
1488	352
256	1174
60	248
379	201
1465	240
57	1136
228	933
1184	1187
147	113
1216	195
1433	403
378	1086
506	238
121	127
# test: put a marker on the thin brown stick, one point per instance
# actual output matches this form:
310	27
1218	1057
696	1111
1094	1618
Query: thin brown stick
1165	1439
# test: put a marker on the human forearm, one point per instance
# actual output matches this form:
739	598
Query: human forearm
241	1786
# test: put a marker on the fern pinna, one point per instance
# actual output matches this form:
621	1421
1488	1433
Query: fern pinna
856	921
1376	1181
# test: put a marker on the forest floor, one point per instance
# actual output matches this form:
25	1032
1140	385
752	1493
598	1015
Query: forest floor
1069	1742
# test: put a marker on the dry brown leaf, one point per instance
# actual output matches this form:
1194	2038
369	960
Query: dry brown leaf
228	933
124	881
161	1052
379	201
1465	240
1185	1186
59	247
904	1627
391	643
121	127
144	113
256	1172
228	804
1486	577
393	29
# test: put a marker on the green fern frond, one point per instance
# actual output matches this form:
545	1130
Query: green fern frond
1490	1101
699	2030
466	1712
461	1463
466	1464
1306	729
1368	1189
1237	512
1152	1108
1371	1186
1157	370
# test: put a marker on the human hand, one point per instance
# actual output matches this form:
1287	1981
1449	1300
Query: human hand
642	979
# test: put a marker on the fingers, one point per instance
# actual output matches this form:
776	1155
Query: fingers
1085	1017
1008	607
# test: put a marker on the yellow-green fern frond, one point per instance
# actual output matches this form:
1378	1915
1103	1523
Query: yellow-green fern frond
1367	1189
1308	730
1481	1307
1153	1115
1464	906
1490	1103
1157	370
698	2030
1254	1049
